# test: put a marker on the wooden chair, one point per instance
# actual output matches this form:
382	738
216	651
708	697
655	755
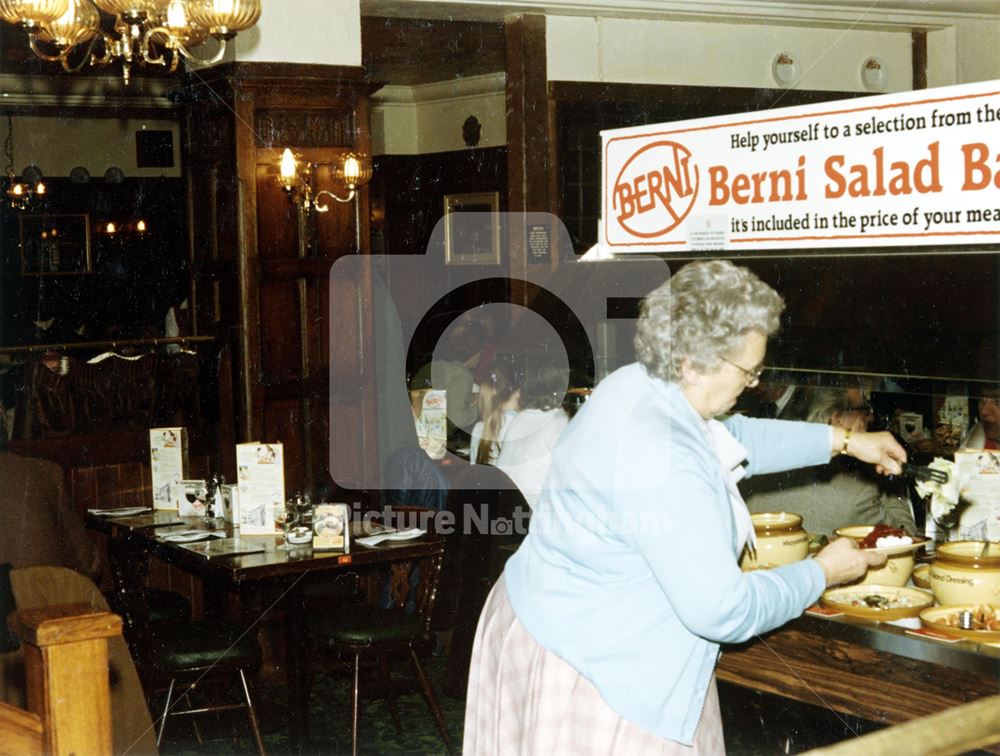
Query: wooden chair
69	696
370	637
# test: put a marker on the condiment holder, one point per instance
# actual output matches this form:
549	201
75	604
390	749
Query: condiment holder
966	572
780	540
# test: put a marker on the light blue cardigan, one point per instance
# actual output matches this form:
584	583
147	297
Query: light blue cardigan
629	571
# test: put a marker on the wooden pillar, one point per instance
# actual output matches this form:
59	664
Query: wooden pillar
919	60
66	665
530	140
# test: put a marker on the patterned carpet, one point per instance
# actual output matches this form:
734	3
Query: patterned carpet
755	724
330	722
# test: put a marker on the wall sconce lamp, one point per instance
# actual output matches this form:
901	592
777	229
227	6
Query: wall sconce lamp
873	74
785	69
352	171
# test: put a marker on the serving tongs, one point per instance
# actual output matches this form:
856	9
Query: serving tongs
925	474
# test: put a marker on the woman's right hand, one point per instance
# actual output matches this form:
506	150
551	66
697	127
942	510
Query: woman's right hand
842	561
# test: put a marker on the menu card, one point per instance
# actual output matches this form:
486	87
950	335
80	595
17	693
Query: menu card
168	460
430	414
979	509
260	473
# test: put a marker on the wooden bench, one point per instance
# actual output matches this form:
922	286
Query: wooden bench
68	691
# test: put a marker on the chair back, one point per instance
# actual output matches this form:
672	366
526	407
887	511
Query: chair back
413	585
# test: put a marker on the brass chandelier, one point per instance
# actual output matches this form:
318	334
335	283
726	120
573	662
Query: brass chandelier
155	32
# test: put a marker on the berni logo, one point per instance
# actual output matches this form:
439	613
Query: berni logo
655	189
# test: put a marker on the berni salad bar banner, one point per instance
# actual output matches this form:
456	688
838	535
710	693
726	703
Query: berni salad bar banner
911	168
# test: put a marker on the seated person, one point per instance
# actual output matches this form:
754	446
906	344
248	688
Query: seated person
985	432
768	399
38	523
499	402
526	453
451	371
832	495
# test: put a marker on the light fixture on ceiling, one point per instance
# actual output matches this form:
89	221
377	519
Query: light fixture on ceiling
352	170
873	74
155	32
785	69
19	191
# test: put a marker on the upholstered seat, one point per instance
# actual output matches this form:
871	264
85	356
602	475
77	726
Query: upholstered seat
363	626
200	653
181	647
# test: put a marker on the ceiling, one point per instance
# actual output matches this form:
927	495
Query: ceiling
846	10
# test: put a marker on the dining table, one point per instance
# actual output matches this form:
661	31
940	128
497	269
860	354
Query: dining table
265	568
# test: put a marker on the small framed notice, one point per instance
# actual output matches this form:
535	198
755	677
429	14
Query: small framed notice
260	472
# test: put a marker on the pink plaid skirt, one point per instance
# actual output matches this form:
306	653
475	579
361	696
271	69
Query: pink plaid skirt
524	699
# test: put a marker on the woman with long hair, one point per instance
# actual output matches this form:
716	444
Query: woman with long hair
499	401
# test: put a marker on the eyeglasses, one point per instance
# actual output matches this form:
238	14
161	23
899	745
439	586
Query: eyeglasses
752	376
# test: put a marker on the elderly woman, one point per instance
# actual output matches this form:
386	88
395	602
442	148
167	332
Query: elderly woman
603	632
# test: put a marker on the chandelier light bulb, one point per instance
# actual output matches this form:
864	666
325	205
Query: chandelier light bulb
176	15
224	18
80	23
132	9
32	13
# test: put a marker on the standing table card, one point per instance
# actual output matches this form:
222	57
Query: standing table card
330	527
261	483
168	461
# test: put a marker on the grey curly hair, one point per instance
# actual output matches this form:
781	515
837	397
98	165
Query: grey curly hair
702	314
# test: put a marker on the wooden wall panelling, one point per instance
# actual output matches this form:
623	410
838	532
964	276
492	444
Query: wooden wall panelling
408	202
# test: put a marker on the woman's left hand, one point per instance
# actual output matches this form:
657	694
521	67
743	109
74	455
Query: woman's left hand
879	449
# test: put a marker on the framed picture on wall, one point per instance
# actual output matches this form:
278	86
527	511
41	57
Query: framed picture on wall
55	244
472	229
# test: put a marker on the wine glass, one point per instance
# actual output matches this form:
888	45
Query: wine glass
285	519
